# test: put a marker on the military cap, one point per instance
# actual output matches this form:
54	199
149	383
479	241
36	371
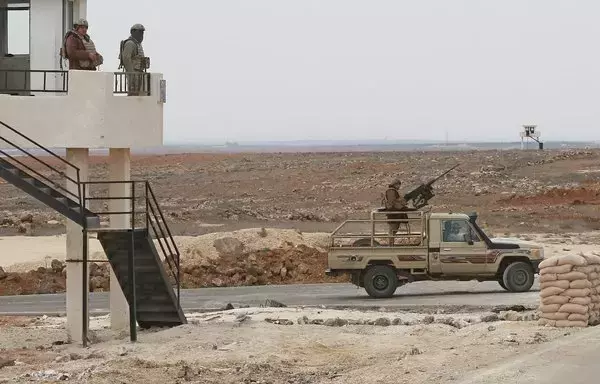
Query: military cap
81	22
395	182
137	27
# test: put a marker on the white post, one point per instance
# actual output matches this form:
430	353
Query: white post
120	169
75	294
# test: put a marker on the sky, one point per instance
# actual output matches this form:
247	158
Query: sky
465	70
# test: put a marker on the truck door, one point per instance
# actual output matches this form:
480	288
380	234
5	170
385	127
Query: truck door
462	252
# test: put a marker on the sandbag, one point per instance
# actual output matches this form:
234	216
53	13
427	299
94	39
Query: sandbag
572	259
592	259
551	291
578	317
581	300
550	262
559	269
555	316
569	323
574	308
572	276
550	308
580	284
563	284
556	300
586	269
550	277
574	292
593	276
546	322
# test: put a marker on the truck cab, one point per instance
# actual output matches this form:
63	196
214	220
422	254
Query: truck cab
428	246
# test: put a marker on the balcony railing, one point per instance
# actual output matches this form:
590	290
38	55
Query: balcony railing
22	82
132	83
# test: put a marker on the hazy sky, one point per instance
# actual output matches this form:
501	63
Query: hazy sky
350	69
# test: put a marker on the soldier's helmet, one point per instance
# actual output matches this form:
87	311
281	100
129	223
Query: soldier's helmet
395	184
81	23
137	27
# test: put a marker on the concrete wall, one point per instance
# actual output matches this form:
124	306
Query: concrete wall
88	116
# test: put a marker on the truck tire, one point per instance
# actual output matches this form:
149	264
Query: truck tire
518	277
380	281
501	282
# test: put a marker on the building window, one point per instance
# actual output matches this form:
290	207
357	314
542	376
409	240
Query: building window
18	28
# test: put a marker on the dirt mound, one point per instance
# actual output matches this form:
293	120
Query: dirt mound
559	196
287	265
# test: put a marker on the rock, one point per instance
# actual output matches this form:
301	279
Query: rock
216	282
303	269
428	319
52	222
228	307
26	218
6	362
491	328
279	321
509	316
62	359
273	303
337	322
283	272
397	321
317	321
262	232
3	274
24	228
489	318
303	320
7	221
383	322
99	283
58	266
228	246
251	280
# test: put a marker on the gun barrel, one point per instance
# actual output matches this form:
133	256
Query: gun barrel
440	176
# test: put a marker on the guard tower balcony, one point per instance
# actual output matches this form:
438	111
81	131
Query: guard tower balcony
83	109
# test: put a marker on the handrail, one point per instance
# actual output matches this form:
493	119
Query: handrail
151	198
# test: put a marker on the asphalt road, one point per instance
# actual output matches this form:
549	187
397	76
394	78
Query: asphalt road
443	294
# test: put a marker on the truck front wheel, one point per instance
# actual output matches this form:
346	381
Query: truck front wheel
518	277
380	281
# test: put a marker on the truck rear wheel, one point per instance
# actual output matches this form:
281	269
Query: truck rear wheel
380	281
518	277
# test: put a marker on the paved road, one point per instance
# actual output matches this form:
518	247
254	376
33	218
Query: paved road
421	294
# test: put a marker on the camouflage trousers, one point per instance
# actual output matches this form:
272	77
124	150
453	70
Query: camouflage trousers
137	84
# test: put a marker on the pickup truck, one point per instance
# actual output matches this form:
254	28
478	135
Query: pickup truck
428	246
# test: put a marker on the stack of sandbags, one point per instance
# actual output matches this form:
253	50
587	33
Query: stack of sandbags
566	291
593	270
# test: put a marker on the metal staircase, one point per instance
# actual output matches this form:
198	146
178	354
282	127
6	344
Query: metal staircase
131	252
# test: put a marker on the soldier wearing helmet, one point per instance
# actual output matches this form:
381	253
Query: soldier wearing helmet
134	62
393	201
79	48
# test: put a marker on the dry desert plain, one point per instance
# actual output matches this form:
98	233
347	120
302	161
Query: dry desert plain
272	212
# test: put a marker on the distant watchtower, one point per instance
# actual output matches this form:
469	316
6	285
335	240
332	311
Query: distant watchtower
530	132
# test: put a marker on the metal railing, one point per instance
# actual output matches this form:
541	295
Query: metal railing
132	83
341	237
149	216
39	161
16	81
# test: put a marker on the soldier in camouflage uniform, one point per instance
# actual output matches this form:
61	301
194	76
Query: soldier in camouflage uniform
134	62
393	201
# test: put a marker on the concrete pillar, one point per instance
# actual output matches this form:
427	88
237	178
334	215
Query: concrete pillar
120	169
3	28
75	294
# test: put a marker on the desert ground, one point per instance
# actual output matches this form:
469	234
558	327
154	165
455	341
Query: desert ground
257	219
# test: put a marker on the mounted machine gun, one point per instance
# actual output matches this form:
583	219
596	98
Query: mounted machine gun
421	195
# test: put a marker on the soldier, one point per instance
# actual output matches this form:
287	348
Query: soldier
393	201
134	62
79	48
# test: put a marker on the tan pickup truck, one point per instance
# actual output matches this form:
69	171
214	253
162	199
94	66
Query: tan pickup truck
428	246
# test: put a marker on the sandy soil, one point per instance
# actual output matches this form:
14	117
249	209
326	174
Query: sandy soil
276	345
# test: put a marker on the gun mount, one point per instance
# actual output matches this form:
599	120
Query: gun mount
421	195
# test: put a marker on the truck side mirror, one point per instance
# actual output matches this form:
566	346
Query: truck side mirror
467	238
